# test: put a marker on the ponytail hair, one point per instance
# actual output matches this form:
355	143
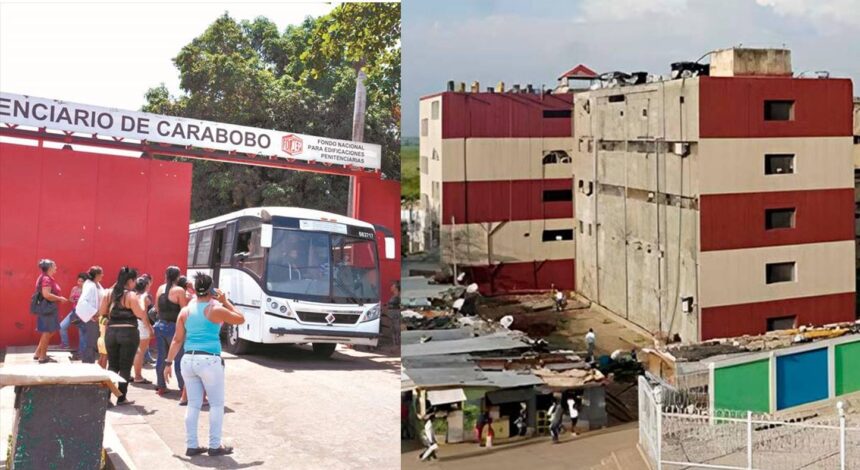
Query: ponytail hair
125	274
171	275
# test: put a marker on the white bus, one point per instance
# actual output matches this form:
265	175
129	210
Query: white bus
298	275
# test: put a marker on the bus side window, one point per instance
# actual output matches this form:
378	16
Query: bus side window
192	246
248	253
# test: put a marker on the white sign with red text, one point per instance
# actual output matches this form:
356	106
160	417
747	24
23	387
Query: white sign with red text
74	117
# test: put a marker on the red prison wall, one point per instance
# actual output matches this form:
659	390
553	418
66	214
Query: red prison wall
378	202
80	209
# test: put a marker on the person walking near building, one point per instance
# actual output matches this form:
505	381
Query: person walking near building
428	435
86	309
47	323
144	328
522	419
574	414
198	330
71	318
590	340
484	419
122	338
171	298
556	411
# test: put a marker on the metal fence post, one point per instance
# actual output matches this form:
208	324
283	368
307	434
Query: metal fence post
749	441
658	400
841	407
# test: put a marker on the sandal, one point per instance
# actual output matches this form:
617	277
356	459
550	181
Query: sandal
142	381
47	360
183	403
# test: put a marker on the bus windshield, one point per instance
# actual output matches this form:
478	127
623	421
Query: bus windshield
322	267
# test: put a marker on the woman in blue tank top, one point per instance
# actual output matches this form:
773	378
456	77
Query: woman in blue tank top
197	331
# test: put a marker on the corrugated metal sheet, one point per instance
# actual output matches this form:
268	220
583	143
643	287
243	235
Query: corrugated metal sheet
504	115
493	342
734	107
525	276
735	320
80	209
730	221
493	201
443	397
414	336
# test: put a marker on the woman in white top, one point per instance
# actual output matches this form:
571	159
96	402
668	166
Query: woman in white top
86	309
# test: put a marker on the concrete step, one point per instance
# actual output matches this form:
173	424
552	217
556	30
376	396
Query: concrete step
129	440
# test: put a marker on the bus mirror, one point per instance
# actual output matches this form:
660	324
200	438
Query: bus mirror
389	248
266	236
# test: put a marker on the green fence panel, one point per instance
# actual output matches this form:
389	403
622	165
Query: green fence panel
743	387
847	367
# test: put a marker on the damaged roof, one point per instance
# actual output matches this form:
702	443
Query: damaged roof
414	336
492	342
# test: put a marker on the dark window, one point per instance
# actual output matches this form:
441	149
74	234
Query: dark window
556	156
556	113
779	218
778	110
555	195
779	272
616	98
227	247
203	247
781	323
192	244
557	235
778	164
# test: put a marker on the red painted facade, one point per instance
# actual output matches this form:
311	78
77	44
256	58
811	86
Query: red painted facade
378	202
81	209
495	115
751	318
511	278
734	107
730	221
494	201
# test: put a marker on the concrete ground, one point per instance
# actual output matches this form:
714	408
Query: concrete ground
611	332
284	409
593	450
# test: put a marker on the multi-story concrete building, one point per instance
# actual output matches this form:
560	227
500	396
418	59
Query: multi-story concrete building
718	205
496	185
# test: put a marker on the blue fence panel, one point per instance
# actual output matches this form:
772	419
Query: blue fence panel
801	378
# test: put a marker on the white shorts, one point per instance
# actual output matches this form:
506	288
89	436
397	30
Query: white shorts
143	330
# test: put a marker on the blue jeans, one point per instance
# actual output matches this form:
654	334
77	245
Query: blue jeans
64	331
164	336
203	373
89	332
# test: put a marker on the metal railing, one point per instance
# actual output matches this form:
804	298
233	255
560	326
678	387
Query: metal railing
677	437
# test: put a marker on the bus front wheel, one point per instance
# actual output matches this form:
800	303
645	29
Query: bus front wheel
324	350
233	344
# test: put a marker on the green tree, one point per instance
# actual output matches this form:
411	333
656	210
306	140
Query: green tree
249	73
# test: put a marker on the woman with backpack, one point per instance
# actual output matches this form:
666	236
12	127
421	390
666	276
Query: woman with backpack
44	305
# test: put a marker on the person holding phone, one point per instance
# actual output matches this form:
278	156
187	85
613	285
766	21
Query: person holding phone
198	332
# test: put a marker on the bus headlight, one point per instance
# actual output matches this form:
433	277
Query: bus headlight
372	314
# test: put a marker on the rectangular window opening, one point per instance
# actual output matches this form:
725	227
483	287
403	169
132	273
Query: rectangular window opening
778	163
781	323
434	110
557	195
557	235
616	98
425	127
556	113
779	110
779	218
780	272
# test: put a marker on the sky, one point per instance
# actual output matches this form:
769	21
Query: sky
534	41
110	54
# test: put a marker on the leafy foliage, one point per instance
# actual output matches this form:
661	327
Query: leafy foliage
301	80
